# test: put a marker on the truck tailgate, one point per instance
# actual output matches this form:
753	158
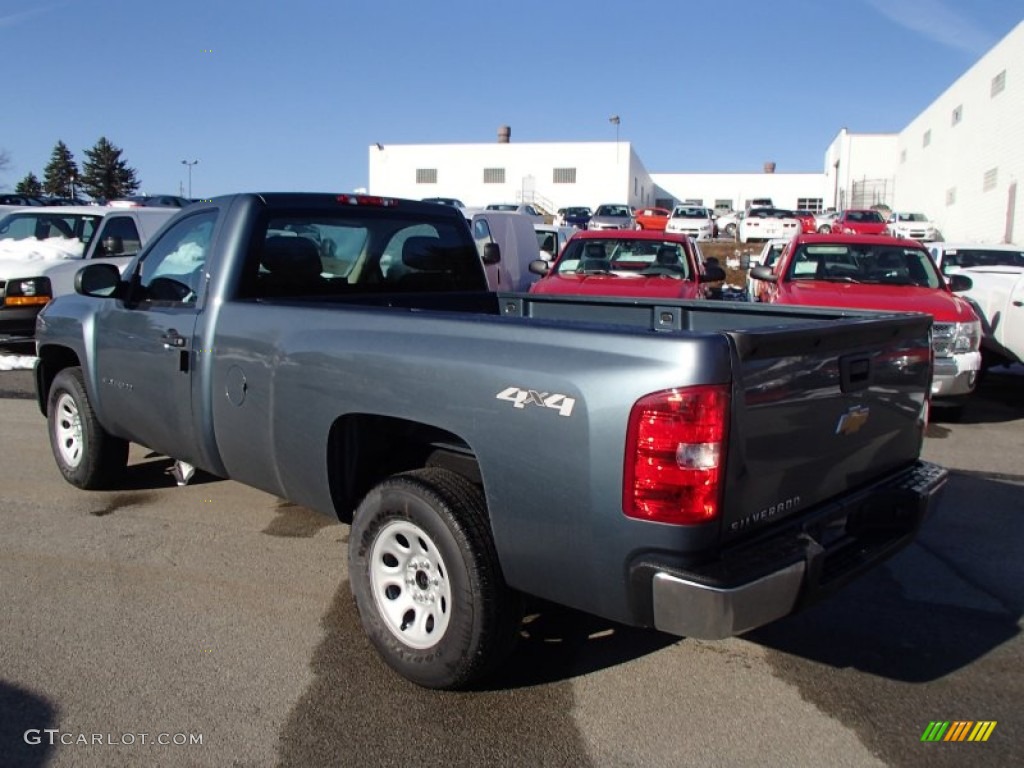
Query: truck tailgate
819	414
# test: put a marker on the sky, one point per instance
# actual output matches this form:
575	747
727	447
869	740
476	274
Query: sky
289	96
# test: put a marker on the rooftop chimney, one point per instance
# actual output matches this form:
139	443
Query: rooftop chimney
769	167
504	134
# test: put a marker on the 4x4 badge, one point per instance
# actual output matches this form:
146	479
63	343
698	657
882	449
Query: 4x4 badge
520	398
852	420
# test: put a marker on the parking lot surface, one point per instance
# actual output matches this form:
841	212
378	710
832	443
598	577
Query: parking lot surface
218	613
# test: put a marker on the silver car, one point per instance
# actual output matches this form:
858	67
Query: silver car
612	216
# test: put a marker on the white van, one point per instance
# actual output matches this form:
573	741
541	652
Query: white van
517	242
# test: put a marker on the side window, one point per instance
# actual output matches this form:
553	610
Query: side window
481	234
173	268
120	238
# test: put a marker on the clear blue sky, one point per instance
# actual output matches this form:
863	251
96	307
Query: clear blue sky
289	95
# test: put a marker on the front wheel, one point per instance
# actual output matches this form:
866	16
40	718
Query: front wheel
86	455
824	229
730	230
426	579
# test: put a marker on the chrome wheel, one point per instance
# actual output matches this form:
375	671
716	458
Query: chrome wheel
67	430
410	584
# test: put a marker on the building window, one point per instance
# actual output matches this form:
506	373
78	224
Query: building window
426	175
722	204
563	176
998	83
989	181
951	196
958	114
927	138
809	204
636	184
494	175
903	155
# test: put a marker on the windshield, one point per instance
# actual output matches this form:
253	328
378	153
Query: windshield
877	264
686	212
868	217
624	257
911	217
612	210
577	211
981	257
42	226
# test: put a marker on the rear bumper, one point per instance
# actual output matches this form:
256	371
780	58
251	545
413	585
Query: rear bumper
778	574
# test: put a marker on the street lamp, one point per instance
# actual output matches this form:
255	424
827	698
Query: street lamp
614	120
189	163
73	178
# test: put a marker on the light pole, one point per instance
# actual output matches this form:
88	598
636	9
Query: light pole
614	120
189	163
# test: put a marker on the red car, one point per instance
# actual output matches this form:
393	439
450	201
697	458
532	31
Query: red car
641	263
807	221
651	218
888	274
859	222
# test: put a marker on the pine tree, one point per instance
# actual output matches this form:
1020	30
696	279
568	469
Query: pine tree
105	176
60	173
30	185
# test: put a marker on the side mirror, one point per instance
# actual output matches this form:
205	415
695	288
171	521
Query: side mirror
539	267
98	280
764	273
960	282
113	245
713	273
492	253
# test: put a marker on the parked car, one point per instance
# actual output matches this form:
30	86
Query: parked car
727	223
768	256
692	220
913	226
651	218
808	224
29	284
523	208
551	239
627	263
517	248
759	224
454	202
577	216
996	272
884	273
132	201
15	198
824	221
612	216
859	221
38	223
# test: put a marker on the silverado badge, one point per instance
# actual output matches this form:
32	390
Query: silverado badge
852	420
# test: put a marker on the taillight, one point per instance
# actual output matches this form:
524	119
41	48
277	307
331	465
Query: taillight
675	455
383	202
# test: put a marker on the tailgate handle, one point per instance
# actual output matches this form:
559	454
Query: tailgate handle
854	373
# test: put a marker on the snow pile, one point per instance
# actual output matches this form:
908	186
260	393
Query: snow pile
16	362
51	249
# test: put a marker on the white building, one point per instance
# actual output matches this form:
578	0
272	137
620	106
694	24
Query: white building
958	162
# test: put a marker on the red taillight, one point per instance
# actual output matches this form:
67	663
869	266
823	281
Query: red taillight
675	455
384	202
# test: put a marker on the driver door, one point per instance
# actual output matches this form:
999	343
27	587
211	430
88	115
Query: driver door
145	353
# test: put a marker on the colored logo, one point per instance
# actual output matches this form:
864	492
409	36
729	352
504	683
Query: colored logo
852	420
958	730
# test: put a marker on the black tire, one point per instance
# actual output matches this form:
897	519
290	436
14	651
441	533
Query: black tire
730	230
86	455
825	229
447	580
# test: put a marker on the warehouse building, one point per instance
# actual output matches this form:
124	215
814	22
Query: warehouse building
958	162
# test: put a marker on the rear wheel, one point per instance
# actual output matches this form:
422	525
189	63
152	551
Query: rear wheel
86	455
824	229
730	230
426	579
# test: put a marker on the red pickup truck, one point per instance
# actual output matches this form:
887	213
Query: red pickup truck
883	273
627	263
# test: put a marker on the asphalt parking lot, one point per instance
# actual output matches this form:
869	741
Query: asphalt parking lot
221	613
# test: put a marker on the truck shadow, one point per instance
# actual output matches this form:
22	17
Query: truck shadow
998	398
26	715
948	600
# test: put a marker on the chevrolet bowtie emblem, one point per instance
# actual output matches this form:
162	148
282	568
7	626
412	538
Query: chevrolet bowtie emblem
852	420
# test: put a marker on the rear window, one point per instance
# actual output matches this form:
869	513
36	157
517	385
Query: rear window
365	251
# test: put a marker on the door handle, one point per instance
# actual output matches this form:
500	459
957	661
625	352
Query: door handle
173	339
1018	303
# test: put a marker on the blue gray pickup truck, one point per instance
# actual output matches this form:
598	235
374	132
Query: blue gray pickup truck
701	468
